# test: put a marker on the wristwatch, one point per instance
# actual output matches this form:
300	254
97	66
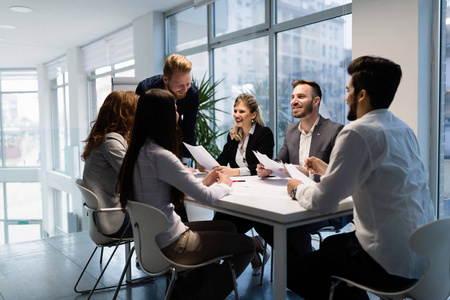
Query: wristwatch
294	193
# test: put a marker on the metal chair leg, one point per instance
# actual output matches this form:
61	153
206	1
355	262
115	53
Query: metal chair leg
127	265
332	288
104	269
263	265
81	275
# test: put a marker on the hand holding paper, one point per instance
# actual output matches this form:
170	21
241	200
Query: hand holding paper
202	156
270	164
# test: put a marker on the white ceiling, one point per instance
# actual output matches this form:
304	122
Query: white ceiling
55	26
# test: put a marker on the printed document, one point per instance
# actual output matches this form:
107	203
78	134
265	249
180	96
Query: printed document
202	156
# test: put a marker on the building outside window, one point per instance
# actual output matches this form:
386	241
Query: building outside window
21	209
253	52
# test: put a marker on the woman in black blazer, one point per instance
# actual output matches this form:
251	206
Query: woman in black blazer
249	134
237	158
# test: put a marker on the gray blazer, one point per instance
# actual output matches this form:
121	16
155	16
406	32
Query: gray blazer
322	142
100	174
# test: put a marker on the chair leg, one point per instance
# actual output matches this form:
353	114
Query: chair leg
263	265
127	253
127	265
332	288
233	273
101	256
81	275
169	288
104	269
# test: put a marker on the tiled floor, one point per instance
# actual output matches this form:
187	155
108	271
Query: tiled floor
48	269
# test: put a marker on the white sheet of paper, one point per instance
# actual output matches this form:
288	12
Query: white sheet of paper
270	164
202	156
295	173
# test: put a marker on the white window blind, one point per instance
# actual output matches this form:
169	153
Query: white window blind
56	67
115	48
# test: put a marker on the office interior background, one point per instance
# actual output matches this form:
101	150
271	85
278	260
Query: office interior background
256	46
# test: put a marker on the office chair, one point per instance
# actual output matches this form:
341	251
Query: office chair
100	240
148	222
431	241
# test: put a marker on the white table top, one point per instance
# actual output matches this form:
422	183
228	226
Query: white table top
266	200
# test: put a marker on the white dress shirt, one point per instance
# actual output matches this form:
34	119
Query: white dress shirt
156	170
240	154
376	160
305	144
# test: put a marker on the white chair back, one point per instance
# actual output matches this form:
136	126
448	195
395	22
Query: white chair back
432	241
91	203
147	222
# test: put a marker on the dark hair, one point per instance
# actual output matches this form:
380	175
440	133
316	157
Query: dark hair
155	119
315	87
378	76
115	115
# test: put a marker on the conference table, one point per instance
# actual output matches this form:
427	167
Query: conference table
266	200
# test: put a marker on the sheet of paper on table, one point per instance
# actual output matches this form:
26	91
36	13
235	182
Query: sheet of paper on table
202	156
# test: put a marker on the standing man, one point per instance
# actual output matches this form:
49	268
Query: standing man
177	80
312	135
376	160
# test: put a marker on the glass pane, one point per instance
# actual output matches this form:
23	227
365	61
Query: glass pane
103	88
16	81
444	204
288	10
24	233
2	233
234	15
61	210
2	203
199	66
124	64
59	138
244	67
128	73
187	29
21	129
24	200
319	52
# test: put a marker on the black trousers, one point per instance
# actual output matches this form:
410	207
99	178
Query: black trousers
340	255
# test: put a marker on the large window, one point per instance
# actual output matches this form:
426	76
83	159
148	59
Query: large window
19	119
244	68
21	208
256	50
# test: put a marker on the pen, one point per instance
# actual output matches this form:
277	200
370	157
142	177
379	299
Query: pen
238	180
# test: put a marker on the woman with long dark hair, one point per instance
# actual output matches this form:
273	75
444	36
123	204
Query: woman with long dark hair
152	173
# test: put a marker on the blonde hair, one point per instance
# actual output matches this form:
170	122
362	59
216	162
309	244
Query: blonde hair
176	63
250	102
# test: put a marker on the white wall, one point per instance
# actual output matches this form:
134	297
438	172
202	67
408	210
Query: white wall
405	31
